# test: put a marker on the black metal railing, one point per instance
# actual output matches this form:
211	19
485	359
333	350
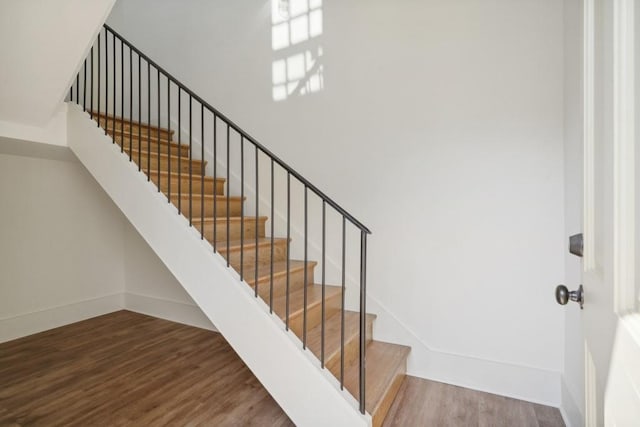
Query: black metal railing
126	127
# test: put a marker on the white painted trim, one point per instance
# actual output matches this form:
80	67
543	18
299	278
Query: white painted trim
275	356
622	393
38	321
589	262
498	377
569	408
624	156
175	311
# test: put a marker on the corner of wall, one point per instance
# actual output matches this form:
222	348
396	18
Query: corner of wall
569	408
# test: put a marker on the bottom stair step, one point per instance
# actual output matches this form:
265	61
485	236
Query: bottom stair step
386	365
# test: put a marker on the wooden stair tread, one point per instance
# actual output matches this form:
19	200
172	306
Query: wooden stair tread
296	300
175	174
144	138
279	268
223	218
249	243
383	360
165	155
197	195
103	115
333	333
134	135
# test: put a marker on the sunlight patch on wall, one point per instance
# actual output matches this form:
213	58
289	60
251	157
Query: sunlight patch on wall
296	26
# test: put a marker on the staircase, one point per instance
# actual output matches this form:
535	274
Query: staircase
341	339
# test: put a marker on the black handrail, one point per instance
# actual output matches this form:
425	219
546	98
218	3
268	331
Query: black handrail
248	137
135	131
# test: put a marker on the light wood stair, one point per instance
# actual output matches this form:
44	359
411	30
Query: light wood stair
204	201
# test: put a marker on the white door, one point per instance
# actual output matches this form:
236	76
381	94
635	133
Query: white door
610	265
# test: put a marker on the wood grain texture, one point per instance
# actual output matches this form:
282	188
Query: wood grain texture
126	369
428	403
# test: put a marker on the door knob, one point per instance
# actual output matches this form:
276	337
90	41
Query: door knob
563	295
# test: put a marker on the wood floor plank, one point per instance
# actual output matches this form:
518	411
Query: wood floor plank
126	369
428	403
129	369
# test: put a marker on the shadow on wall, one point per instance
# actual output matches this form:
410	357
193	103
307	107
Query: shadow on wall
296	30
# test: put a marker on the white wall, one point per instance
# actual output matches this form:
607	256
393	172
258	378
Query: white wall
573	365
61	241
42	46
67	253
439	124
151	288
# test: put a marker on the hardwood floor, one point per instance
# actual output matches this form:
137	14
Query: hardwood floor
429	403
127	369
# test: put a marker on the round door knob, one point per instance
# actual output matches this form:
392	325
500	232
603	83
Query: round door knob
563	295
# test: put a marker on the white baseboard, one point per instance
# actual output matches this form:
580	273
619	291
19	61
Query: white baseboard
569	408
31	323
502	378
175	311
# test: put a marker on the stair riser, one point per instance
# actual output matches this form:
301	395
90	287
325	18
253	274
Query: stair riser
390	395
351	350
235	206
314	314
177	165
143	145
249	258
132	127
196	184
235	229
296	281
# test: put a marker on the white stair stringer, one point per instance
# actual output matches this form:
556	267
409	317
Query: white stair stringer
309	395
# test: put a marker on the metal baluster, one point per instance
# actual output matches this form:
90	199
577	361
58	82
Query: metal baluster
179	152
202	172
99	82
241	207
344	257
363	316
113	53
92	74
255	279
121	96
139	113
84	88
77	88
215	182
288	245
228	187
149	123
304	309
130	102
158	135
324	205
190	163
106	81
168	138
272	220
